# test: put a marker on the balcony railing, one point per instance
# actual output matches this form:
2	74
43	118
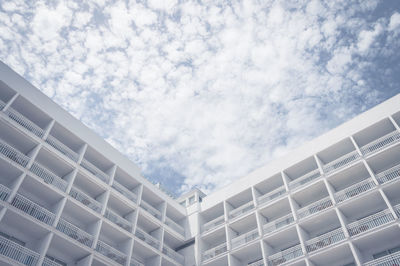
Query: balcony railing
214	252
397	210
259	262
150	209
173	254
315	207
85	199
111	252
49	262
342	161
4	192
389	174
17	252
213	223
75	232
370	222
49	177
276	193
94	170
135	262
147	238
118	220
2	105
124	191
298	182
178	228
388	260
355	190
13	154
24	122
325	240
285	255
245	208
56	144
33	209
278	223
380	143
245	238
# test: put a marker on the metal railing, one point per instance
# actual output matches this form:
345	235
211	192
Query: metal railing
17	252
259	262
389	174
276	193
139	233
35	210
380	143
298	182
118	220
171	223
278	223
94	170
325	240
135	262
245	208
4	192
48	176
49	262
111	252
150	209
388	260
86	200
285	255
355	189
370	222
61	147
397	210
74	232
13	154
213	223
173	254
245	238
2	105
214	252
24	122
342	161
124	191
315	207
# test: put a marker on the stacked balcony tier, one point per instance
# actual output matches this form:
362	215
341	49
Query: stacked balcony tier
18	253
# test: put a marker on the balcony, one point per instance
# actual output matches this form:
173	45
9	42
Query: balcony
124	191
304	179
342	161
56	144
276	193
285	255
380	143
388	260
355	190
173	254
13	154
174	225
85	199
150	209
389	174
24	122
370	222
134	262
94	170
74	232
324	240
110	252
118	220
245	208
260	262
278	223
214	252
147	238
49	262
245	238
315	207
17	252
48	176
4	192
33	209
213	223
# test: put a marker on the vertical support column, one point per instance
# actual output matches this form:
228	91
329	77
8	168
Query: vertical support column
356	253
285	180
103	199
81	153
139	194
48	129
163	211
32	154
70	178
371	173
319	163
111	173
356	146
255	194
8	104
303	236
127	249
268	251
2	213
15	186
86	261
44	246
397	126
259	224
388	203
58	208
330	190
96	232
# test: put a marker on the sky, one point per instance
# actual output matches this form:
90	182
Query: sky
200	93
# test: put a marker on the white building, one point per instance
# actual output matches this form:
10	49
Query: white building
69	198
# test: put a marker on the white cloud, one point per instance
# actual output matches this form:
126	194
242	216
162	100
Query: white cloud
394	21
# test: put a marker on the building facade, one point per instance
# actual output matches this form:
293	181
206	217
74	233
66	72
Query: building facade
69	198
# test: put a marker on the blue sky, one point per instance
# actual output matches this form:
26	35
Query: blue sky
200	93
